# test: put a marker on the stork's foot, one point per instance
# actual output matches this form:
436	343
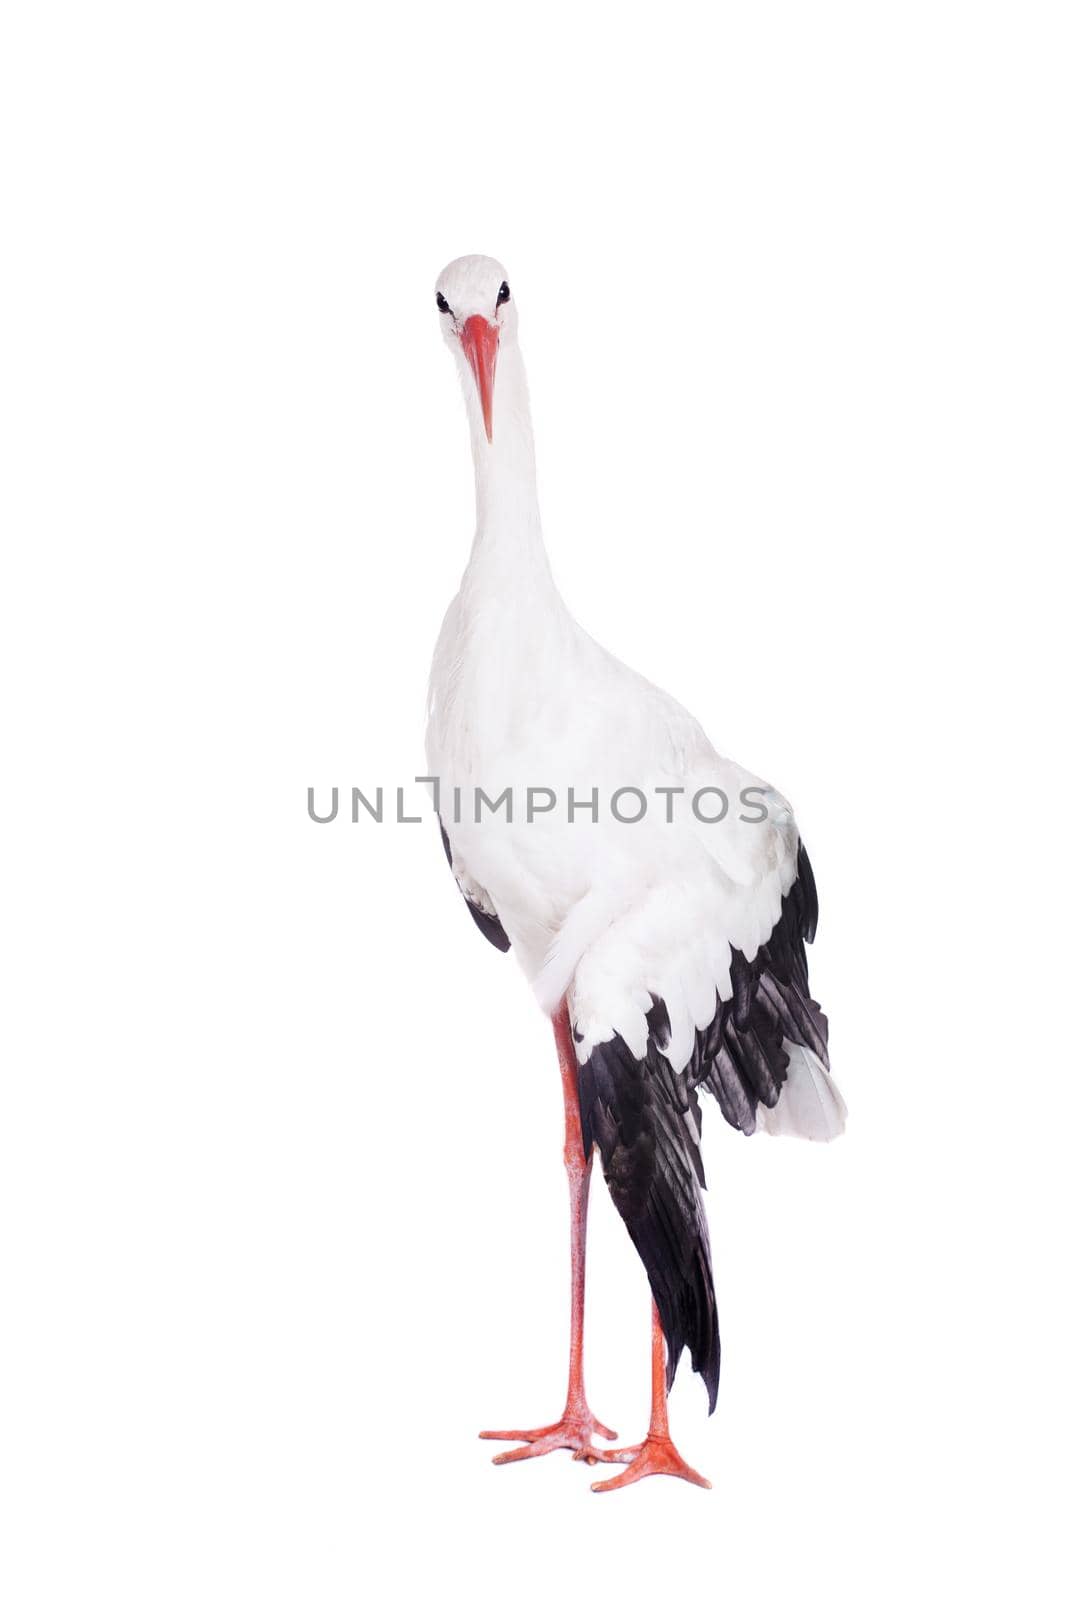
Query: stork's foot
574	1432
656	1455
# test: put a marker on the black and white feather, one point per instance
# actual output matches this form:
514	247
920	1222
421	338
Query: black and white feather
477	903
764	1059
644	1119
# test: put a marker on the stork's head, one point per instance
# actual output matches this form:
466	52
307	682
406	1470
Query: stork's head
477	316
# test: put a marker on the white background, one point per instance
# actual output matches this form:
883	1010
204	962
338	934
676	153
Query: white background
283	1214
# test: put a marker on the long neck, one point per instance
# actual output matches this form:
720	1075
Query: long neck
509	632
508	556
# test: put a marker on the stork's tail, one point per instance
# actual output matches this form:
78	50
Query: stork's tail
645	1120
810	1105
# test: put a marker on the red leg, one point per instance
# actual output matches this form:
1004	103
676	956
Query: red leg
575	1428
657	1454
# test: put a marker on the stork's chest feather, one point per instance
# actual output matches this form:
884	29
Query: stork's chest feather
504	678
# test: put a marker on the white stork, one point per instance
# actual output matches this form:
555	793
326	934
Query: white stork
656	895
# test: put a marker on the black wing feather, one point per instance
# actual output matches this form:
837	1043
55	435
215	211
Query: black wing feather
490	924
741	1057
645	1120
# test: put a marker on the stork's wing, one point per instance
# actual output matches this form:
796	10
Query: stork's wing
645	1120
647	1038
768	1023
478	903
726	959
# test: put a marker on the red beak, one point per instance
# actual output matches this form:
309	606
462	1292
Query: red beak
479	340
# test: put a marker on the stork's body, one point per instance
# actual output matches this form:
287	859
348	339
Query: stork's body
664	938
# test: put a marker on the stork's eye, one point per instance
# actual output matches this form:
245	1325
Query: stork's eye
442	303
505	294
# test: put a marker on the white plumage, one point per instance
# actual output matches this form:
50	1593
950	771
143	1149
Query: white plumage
655	894
605	913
